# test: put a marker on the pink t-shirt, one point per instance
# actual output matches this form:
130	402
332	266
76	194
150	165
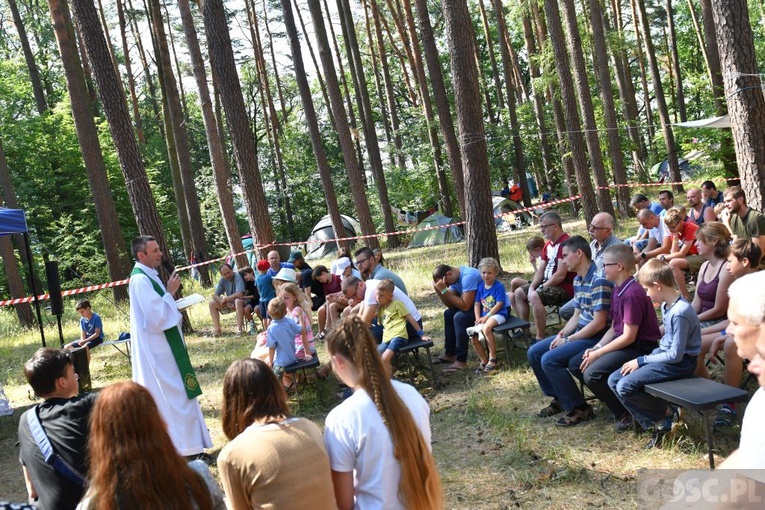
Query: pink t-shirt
302	319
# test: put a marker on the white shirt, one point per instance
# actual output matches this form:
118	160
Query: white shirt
371	300
751	450
660	232
357	440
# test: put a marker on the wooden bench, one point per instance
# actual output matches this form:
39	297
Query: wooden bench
413	347
503	335
302	366
701	395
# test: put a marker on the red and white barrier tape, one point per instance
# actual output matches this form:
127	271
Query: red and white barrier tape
90	288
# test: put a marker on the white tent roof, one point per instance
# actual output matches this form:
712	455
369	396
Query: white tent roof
711	122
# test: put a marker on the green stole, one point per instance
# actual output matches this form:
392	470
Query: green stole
181	355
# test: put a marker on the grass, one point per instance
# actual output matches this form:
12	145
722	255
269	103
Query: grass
491	449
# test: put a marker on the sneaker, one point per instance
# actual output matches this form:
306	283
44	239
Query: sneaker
657	438
726	417
576	416
623	424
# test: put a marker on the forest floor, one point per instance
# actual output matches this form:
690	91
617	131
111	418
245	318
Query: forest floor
491	449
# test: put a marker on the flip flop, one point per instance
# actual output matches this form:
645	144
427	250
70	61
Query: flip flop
451	369
441	360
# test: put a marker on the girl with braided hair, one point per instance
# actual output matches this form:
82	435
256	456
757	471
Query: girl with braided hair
378	440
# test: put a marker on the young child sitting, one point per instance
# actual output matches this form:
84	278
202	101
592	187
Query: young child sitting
281	339
490	310
91	328
252	306
265	289
534	246
393	316
675	357
299	310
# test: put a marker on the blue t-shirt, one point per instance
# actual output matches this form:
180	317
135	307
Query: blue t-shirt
281	336
288	265
490	297
382	272
230	287
470	280
90	326
265	287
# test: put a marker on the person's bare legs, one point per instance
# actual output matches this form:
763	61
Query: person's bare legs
490	324
322	316
734	365
517	283
677	266
520	302
540	315
387	359
479	350
239	305
701	364
215	308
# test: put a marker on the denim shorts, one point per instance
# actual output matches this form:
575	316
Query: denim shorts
394	345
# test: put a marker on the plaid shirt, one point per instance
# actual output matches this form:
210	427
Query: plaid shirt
592	293
597	251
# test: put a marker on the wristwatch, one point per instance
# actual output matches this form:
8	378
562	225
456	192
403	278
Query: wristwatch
643	256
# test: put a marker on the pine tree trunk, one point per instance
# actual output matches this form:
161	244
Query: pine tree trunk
34	73
313	123
222	61
221	172
115	107
643	80
451	144
11	269
675	60
727	151
743	88
316	65
106	212
600	61
427	104
479	223
573	127
370	134
144	63
129	73
507	65
575	52
539	110
492	57
343	130
275	68
390	95
669	137
108	38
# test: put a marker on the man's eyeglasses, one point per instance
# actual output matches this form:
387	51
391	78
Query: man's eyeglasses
361	261
610	264
593	227
544	227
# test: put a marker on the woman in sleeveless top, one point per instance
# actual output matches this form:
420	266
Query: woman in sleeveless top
711	299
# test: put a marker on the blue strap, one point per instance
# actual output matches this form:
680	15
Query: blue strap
49	454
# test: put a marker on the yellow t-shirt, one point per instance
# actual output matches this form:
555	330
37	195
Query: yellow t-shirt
393	320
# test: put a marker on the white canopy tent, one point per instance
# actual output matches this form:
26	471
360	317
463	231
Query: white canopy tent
711	122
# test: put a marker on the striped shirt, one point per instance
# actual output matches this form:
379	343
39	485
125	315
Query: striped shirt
592	293
598	250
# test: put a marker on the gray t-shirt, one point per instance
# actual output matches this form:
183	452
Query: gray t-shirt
382	272
228	288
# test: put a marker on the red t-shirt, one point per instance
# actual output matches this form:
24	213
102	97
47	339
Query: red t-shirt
688	235
552	254
333	286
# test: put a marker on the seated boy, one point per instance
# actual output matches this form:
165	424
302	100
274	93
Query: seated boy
265	289
634	331
534	247
675	357
91	328
490	311
335	300
281	340
251	297
393	315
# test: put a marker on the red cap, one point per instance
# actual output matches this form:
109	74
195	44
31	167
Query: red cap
263	265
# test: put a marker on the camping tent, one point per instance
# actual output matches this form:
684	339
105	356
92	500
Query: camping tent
14	221
661	170
317	245
441	231
506	206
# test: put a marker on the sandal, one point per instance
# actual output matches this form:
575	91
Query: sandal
444	360
481	368
552	409
576	416
491	365
452	369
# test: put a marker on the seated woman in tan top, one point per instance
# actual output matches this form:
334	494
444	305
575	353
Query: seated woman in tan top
274	460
